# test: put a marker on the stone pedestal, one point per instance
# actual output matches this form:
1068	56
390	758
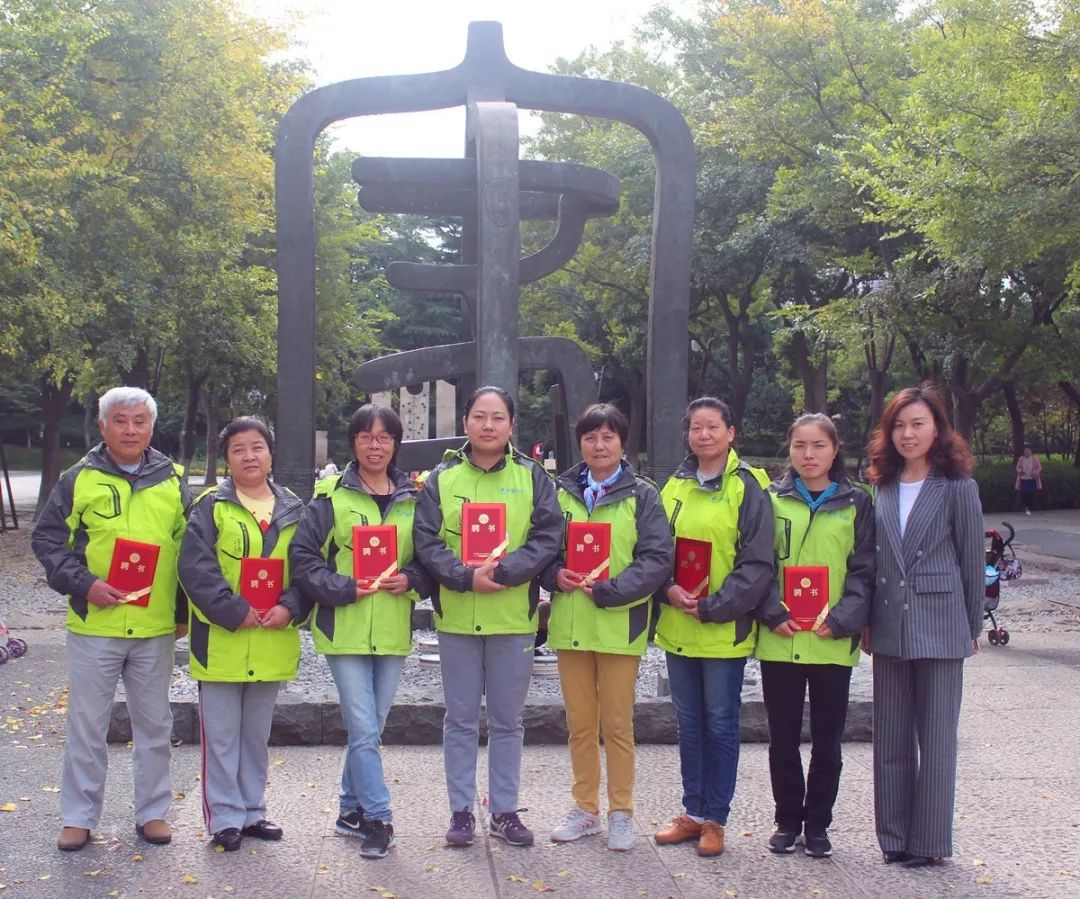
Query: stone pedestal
445	409
414	412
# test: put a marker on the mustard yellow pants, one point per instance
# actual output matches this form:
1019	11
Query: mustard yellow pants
598	691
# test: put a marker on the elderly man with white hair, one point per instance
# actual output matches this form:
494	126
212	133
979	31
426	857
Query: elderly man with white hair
108	538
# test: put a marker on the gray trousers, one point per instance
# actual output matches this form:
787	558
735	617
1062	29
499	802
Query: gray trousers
95	665
916	715
234	726
499	666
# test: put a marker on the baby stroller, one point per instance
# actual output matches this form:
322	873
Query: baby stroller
12	648
1001	565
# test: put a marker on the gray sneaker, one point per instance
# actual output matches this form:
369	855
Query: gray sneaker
579	823
620	837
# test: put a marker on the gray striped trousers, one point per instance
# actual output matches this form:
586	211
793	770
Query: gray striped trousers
916	714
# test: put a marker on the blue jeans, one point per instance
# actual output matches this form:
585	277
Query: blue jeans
706	694
366	686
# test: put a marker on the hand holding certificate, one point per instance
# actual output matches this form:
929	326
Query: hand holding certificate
132	570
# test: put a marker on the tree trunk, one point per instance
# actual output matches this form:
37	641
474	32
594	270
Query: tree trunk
635	391
1016	419
54	400
965	405
1074	397
211	438
139	373
191	413
90	433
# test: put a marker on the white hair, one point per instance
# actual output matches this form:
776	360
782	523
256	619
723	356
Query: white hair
126	397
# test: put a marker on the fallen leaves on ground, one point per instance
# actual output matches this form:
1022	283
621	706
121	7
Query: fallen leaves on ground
188	878
982	881
93	873
9	807
977	863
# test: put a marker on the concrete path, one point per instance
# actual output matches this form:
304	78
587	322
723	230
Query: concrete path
1017	815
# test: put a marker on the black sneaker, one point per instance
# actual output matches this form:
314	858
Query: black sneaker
817	844
462	829
354	824
508	827
379	839
783	840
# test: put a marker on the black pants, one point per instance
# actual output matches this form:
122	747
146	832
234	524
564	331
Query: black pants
784	685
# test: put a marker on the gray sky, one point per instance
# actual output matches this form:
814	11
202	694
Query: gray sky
359	38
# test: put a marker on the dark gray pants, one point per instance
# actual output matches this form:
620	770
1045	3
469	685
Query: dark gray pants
916	715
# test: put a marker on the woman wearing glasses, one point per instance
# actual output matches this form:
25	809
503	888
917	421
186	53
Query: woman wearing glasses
363	626
724	564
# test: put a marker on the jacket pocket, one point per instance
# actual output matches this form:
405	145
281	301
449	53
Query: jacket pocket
939	582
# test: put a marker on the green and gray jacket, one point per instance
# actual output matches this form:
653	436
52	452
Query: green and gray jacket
616	618
839	535
322	564
534	522
220	533
733	513
94	503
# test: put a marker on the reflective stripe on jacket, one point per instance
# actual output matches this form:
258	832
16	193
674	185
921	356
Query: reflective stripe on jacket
840	536
220	533
322	557
534	523
616	618
94	503
733	513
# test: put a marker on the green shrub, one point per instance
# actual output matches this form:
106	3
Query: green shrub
997	480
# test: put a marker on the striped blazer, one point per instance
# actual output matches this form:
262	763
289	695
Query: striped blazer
928	599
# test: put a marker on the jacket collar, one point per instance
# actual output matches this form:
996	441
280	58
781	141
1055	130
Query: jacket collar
403	485
463	455
570	481
785	487
287	505
688	469
153	461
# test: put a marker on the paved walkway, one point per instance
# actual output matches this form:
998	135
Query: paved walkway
1017	815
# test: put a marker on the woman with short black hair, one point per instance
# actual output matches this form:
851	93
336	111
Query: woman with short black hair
363	626
243	637
616	552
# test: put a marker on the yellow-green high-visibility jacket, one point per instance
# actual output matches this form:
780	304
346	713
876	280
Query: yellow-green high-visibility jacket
534	523
220	533
94	503
322	560
616	618
733	513
839	534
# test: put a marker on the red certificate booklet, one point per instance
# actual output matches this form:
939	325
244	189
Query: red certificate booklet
261	582
483	532
588	549
693	558
374	554
132	569
806	595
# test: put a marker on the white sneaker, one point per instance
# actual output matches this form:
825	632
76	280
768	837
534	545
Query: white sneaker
620	836
579	823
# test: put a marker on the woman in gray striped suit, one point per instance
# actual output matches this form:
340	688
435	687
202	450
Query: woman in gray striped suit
925	619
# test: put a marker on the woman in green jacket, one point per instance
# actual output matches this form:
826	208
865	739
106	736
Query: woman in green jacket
825	548
237	537
486	607
722	522
364	628
600	624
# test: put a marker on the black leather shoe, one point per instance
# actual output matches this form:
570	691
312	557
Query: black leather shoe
228	839
919	861
263	830
891	858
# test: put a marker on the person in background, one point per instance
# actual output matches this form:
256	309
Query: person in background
329	469
825	523
364	630
120	490
240	655
600	627
717	500
925	619
1028	478
486	613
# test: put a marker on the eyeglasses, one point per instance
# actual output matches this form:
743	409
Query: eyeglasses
382	438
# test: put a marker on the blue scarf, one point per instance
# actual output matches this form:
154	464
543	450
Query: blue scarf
594	490
815	504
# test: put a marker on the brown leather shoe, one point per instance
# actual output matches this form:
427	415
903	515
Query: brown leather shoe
156	831
682	829
73	838
712	839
